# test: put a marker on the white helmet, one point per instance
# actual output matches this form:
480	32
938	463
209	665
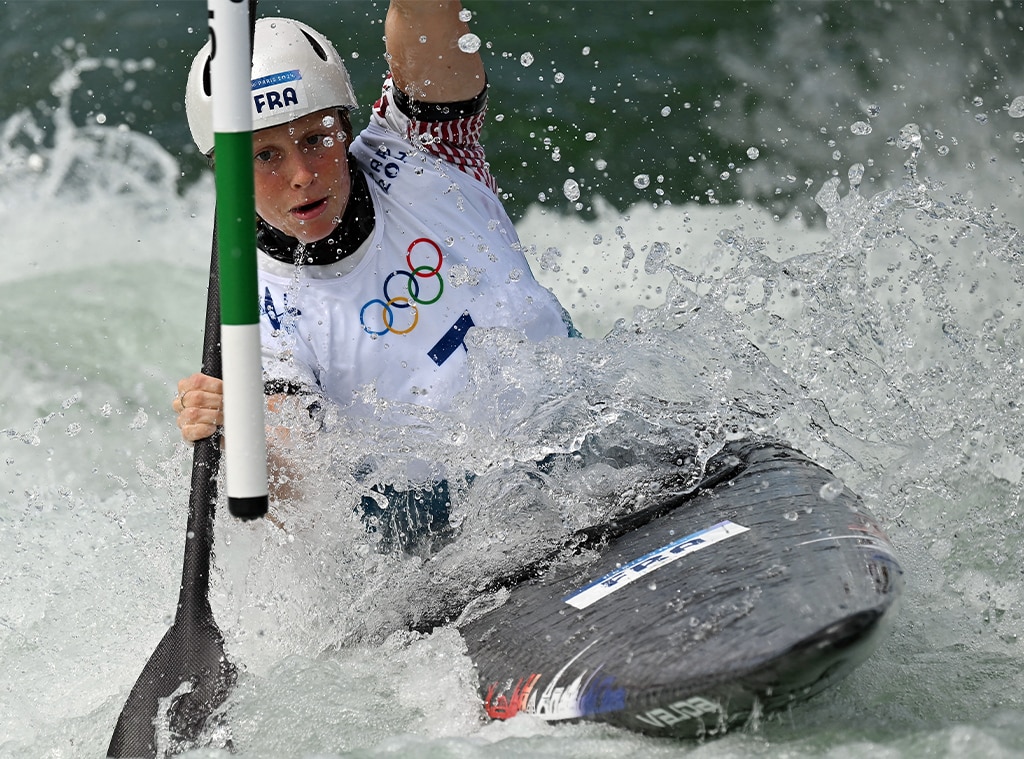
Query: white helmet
295	71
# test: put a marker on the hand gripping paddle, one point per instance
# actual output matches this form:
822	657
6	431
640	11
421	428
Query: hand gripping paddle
188	676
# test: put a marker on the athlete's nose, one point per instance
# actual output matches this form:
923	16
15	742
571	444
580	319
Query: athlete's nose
302	174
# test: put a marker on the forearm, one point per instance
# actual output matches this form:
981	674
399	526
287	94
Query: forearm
284	476
424	55
284	472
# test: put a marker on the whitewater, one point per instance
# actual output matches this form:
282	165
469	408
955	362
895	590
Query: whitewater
874	321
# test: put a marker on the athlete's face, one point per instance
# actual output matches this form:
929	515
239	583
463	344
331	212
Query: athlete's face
301	173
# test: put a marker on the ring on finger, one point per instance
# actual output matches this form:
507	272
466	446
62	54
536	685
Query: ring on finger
181	398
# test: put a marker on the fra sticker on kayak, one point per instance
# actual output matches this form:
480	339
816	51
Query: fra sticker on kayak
646	564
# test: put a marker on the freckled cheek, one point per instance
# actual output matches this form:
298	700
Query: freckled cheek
266	191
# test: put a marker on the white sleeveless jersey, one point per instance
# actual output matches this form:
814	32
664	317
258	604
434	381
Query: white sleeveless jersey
443	258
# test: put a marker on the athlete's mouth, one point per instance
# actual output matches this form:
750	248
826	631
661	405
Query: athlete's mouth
310	209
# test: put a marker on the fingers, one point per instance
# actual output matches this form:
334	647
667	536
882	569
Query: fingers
199	423
200	383
199	405
199	391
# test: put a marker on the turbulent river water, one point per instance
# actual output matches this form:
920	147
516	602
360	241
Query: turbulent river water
792	219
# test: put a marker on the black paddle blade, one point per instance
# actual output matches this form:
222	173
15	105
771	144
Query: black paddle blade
188	676
185	680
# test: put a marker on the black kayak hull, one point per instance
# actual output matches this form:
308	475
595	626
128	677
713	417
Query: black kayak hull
746	597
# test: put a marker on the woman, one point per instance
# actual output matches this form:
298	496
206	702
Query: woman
359	237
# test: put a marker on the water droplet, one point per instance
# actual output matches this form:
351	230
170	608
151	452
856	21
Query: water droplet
465	15
753	153
73	429
1016	109
628	254
598	239
978	102
641	181
666	111
1018	137
944	149
860	128
856	175
909	137
831	490
590	136
981	118
526	59
791	516
873	110
423	38
571	189
559	77
469	43
656	259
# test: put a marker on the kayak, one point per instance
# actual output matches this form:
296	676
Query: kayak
761	587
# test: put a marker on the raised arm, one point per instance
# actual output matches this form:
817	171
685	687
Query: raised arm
424	55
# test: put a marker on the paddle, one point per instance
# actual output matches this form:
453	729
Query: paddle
189	676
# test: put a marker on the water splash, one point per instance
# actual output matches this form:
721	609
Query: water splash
890	349
64	160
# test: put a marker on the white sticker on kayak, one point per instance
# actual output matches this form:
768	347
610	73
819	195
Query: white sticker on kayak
637	568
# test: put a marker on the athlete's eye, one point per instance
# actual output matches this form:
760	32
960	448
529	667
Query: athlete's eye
264	156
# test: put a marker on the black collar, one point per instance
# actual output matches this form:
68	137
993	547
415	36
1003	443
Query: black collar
356	225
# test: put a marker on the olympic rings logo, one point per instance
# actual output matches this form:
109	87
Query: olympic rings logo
393	318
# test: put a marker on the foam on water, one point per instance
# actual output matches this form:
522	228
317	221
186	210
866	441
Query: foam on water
888	346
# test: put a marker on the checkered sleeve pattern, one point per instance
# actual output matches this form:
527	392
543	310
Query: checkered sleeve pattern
455	141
